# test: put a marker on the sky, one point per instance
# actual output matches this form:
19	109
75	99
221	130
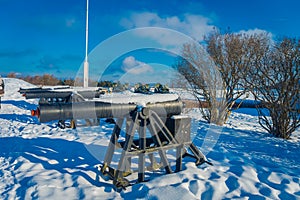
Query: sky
48	36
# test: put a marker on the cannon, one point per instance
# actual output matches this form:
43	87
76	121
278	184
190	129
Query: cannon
89	109
151	130
63	93
38	89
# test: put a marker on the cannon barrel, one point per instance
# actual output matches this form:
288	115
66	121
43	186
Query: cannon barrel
46	94
95	109
60	92
64	94
40	89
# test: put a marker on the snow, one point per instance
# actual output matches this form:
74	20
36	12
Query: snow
41	161
128	97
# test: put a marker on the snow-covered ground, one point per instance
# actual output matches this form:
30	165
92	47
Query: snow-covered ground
41	161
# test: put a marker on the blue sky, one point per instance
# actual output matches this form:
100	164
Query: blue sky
48	36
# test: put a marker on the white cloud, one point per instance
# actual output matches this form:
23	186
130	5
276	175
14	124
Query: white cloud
195	26
133	66
255	31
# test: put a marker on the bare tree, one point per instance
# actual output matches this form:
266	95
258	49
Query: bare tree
232	54
275	82
204	81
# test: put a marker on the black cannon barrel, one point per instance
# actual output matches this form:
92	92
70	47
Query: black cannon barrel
64	94
96	109
40	89
46	94
60	92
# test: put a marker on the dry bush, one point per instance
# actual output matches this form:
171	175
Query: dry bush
203	80
12	75
46	79
232	55
274	80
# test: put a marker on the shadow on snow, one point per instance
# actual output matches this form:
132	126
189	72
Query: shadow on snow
70	157
241	150
20	118
22	104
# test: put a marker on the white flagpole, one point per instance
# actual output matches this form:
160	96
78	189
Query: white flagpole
86	63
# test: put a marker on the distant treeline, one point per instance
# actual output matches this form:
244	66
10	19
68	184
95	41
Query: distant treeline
46	79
